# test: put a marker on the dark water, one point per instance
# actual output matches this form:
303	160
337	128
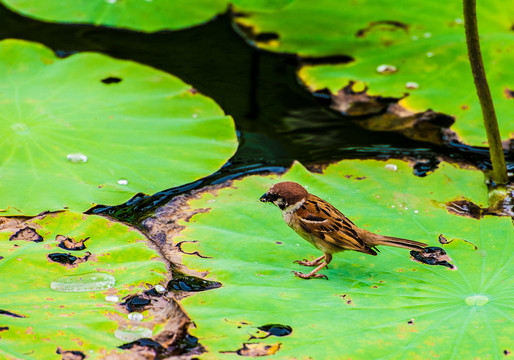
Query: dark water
276	118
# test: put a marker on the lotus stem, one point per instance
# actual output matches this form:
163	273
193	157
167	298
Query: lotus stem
499	174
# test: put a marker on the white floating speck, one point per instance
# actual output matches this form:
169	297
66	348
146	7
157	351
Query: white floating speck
110	1
132	334
85	282
112	298
386	69
135	316
393	206
412	85
76	158
416	211
159	288
427	35
459	21
430	54
123	182
297	244
406	208
414	37
195	116
378	196
391	167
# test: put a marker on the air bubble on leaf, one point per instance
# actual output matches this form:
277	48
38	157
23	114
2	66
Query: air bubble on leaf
76	158
386	69
85	282
20	128
123	182
427	35
391	167
159	288
412	85
135	316
430	54
132	334
477	300
112	298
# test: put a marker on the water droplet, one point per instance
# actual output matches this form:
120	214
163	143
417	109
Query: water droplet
112	298
412	85
386	69
477	300
132	334
159	288
459	21
135	316
427	35
430	54
391	167
20	128
85	282
123	182
76	158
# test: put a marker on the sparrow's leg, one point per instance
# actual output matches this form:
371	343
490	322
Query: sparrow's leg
312	274
314	262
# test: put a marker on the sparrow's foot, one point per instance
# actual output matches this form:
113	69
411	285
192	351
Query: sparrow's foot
306	262
309	276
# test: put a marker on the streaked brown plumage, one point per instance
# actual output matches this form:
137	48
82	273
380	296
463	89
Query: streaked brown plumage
325	227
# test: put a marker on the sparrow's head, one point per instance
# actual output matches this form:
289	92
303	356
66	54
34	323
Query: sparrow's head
285	194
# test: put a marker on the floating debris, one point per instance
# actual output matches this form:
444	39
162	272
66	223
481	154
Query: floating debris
411	85
122	182
86	282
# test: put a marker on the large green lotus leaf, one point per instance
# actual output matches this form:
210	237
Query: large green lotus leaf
146	15
72	320
425	42
140	125
372	307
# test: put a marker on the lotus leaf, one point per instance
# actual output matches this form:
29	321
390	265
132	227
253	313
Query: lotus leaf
423	41
83	321
372	307
146	15
89	129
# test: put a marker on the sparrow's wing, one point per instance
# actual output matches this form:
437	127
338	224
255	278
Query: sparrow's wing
330	226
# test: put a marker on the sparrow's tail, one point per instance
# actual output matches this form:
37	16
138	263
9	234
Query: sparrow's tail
396	242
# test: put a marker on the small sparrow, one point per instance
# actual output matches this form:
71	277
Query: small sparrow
325	227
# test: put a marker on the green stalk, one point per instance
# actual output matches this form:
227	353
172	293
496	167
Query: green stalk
499	175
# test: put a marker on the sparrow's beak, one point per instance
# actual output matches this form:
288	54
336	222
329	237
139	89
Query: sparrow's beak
265	198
